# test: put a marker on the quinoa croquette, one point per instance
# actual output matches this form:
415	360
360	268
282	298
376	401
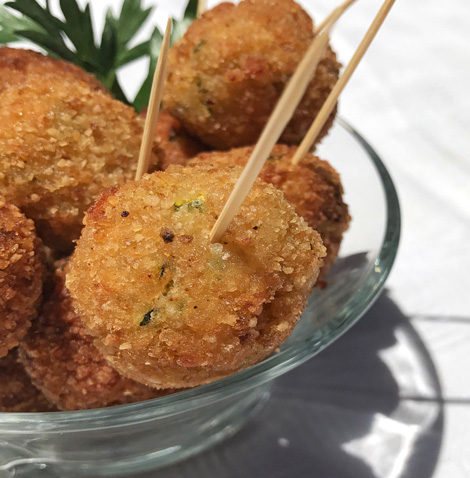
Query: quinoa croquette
63	140
172	310
17	66
17	393
312	187
21	275
63	363
226	74
173	144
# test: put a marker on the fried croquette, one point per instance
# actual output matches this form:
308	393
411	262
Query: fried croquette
21	275
62	141
63	363
16	66
172	144
226	74
17	393
313	188
170	309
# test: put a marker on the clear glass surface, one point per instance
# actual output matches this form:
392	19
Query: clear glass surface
369	406
142	436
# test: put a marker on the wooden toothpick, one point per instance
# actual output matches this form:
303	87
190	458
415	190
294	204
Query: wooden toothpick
281	115
330	102
201	7
342	8
158	83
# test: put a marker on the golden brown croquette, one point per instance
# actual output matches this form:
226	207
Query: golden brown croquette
226	74
173	144
63	363
170	309
313	188
21	275
62	141
16	66
17	393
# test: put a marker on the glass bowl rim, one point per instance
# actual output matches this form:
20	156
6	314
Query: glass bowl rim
268	369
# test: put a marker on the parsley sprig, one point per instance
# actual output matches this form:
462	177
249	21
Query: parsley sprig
73	38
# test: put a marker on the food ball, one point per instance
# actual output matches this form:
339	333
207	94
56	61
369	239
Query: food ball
17	393
21	275
226	74
62	141
170	309
313	188
63	363
17	66
173	144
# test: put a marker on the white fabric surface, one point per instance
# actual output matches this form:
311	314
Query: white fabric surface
410	99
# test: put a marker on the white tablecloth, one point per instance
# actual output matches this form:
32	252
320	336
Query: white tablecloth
410	99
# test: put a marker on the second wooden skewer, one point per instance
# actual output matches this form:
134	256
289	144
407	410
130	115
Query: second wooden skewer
330	102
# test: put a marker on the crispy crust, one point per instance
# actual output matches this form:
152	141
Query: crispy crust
170	309
228	71
21	275
17	393
63	139
313	188
16	65
174	145
64	364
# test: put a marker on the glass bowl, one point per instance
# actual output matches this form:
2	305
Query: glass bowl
133	438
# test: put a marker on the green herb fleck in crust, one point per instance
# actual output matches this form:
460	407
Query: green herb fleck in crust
276	157
189	204
167	288
199	45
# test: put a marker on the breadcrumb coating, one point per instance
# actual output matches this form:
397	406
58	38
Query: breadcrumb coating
170	309
21	275
173	144
63	140
313	188
16	66
17	393
226	74
63	363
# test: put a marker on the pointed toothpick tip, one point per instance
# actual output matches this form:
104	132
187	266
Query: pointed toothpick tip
328	106
337	11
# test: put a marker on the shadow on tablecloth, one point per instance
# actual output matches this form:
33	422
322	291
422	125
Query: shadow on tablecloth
344	414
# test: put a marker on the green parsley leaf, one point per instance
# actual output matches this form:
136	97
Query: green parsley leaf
9	23
180	27
58	49
130	20
73	38
42	16
79	29
126	56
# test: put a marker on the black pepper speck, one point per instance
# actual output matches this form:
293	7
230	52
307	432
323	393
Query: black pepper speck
167	235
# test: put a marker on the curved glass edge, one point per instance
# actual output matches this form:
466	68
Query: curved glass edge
269	368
